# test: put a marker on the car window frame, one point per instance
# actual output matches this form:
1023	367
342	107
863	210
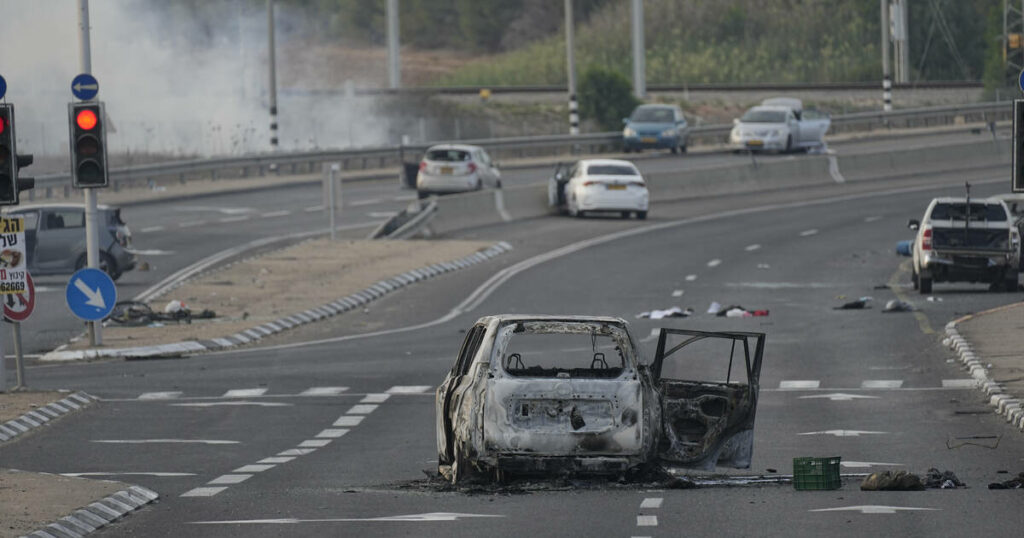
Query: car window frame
470	348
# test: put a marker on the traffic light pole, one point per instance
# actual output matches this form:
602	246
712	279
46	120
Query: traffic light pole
91	237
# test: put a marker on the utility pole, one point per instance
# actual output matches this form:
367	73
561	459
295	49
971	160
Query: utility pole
900	39
92	253
1013	39
574	116
639	60
905	45
394	61
886	73
272	60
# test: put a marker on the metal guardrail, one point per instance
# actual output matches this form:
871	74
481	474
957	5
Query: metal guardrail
388	156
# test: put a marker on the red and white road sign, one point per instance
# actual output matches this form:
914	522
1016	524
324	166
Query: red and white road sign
18	306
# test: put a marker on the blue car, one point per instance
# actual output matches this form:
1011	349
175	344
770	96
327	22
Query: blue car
656	127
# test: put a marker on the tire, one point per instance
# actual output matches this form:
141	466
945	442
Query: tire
422	194
789	144
682	149
913	279
624	214
642	215
925	285
1010	281
107	265
479	185
627	149
675	150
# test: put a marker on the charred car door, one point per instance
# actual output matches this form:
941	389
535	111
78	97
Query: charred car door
450	393
708	385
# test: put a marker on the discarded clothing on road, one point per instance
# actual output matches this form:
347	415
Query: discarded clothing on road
1013	483
898	306
673	312
892	481
736	311
942	480
859	304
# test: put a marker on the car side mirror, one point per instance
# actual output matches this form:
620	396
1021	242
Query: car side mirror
913	224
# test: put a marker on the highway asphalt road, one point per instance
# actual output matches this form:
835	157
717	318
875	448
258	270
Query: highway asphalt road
175	234
277	458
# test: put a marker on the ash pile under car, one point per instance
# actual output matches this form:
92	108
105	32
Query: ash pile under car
572	394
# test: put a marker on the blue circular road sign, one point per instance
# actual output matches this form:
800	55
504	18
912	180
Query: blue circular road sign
90	294
1020	80
3	87
84	86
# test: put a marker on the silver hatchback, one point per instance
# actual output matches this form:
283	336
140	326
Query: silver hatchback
55	239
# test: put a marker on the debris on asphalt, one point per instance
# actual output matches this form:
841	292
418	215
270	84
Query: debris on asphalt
859	304
896	305
1013	483
942	480
140	314
984	441
714	308
905	248
882	287
892	481
736	311
673	312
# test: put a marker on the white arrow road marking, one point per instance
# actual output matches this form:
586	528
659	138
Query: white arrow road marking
838	396
866	464
95	298
154	473
872	509
432	516
231	403
843	433
144	441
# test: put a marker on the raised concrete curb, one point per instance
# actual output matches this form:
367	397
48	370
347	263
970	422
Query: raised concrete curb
350	302
37	418
1004	403
98	514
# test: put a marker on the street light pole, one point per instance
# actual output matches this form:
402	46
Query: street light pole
886	73
639	61
574	117
394	61
92	253
271	55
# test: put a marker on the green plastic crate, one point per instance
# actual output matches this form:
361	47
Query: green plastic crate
816	473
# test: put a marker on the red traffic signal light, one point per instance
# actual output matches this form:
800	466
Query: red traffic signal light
86	119
3	124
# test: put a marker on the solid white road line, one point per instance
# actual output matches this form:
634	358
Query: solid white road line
409	389
874	509
838	396
237	403
150	229
368	201
646	521
652	502
314	443
375	398
253	468
433	516
159	474
361	409
332	433
959	383
226	220
800	384
244	393
203	492
865	464
752	248
229	479
323	391
843	433
808	233
168	395
714	263
348	421
159	441
882	384
275	214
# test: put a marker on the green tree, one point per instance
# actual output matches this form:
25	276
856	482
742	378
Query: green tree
606	96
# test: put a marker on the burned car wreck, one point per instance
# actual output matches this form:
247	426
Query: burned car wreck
571	394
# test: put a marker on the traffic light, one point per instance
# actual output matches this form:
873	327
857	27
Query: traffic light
8	157
88	145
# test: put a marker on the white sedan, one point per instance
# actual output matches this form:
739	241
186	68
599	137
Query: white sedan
595	185
450	168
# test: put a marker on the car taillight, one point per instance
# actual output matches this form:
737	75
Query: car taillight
472	167
423	165
926	239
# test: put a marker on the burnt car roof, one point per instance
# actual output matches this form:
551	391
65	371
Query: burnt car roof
547	317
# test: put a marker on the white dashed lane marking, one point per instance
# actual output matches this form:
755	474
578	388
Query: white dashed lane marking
150	229
691	278
313	208
651	502
229	479
332	433
677	293
232	403
203	492
348	421
404	198
844	433
646	521
362	409
375	398
323	391
382	214
226	220
409	389
244	393
162	441
714	263
168	395
254	468
314	443
808	233
751	248
872	218
275	214
803	384
369	201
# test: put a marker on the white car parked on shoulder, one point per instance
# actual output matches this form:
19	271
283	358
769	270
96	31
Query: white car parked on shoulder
450	168
594	185
779	124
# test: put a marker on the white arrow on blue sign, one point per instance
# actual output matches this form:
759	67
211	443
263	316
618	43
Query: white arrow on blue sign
85	86
91	294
